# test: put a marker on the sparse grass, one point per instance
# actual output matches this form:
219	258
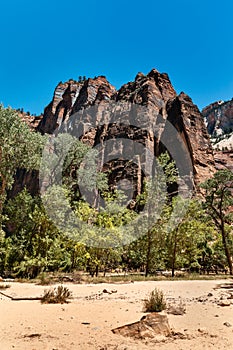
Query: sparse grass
44	280
4	286
82	277
57	295
155	302
141	278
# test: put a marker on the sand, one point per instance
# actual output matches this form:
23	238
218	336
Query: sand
86	322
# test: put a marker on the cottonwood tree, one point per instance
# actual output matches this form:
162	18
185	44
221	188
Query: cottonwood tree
19	148
218	203
185	243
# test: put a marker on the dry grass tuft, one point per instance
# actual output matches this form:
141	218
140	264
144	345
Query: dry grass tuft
57	295
155	302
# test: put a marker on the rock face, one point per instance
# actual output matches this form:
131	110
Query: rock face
149	326
186	117
127	119
219	120
140	111
223	160
219	117
32	120
70	97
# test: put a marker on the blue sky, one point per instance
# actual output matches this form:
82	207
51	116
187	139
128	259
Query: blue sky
46	41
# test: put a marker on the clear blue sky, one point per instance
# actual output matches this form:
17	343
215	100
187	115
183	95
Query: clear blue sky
46	41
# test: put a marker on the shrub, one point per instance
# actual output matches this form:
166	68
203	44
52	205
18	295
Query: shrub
4	286
57	295
155	302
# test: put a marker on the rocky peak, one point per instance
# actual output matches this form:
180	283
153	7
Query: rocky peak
150	89
72	96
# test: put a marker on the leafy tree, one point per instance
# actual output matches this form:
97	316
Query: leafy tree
19	148
154	192
185	243
218	204
75	163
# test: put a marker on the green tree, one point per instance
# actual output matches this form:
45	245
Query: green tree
185	243
218	203
19	148
155	193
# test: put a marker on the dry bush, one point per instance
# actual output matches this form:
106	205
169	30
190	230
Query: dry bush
4	286
57	295
155	302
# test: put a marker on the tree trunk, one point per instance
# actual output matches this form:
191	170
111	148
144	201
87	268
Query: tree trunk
147	268
226	248
2	196
174	255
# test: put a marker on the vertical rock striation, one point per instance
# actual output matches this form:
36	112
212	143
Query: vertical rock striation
139	111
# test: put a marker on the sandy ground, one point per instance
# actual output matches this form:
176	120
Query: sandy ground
86	322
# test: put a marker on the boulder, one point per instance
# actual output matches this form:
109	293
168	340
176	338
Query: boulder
149	326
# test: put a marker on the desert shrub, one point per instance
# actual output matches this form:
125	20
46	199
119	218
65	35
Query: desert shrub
155	302
57	295
4	286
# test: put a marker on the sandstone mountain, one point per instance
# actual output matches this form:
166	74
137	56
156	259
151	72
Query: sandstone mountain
73	101
219	121
153	90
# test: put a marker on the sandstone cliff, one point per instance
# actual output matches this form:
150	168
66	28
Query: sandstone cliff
219	117
154	91
120	114
219	120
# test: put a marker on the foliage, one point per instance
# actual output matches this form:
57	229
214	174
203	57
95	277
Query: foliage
218	204
155	302
186	234
19	148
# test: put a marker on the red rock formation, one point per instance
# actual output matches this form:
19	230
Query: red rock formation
223	160
139	111
70	97
32	120
219	117
219	121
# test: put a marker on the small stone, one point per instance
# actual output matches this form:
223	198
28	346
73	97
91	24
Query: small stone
210	295
227	324
106	291
202	330
176	310
202	299
224	303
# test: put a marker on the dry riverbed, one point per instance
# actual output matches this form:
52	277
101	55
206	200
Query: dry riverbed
86	322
